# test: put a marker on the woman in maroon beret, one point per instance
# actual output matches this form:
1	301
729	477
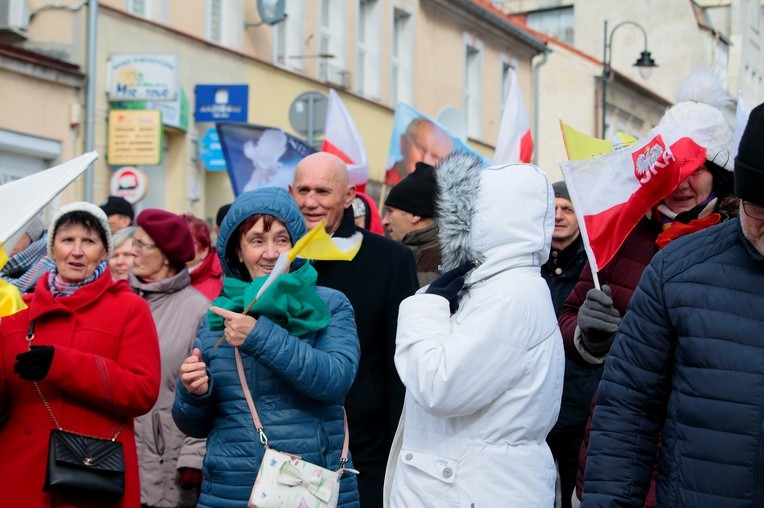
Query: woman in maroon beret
170	462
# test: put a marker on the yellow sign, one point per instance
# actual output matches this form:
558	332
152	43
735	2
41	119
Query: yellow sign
135	137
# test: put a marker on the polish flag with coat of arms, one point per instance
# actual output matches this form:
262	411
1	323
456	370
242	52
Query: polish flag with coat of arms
612	192
341	138
515	143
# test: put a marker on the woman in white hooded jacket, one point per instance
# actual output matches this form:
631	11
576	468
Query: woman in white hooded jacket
479	350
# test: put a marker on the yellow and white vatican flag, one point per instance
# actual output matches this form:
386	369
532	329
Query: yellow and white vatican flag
581	146
315	244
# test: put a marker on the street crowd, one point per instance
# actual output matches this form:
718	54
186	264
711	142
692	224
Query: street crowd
467	352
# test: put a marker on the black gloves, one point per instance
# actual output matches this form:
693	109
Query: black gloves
35	363
448	284
598	321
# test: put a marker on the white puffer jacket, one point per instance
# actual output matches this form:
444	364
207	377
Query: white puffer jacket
483	385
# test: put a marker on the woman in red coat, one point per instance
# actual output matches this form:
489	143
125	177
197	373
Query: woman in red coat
94	355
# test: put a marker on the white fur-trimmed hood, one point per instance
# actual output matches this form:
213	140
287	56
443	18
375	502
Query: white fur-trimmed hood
499	217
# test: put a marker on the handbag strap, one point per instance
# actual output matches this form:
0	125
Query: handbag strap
259	425
30	338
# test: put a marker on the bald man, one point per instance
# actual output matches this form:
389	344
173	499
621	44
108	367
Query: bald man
380	276
423	141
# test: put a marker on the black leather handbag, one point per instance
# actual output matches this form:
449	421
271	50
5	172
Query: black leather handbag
85	465
80	464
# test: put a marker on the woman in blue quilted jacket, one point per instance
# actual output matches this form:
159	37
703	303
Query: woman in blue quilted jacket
299	349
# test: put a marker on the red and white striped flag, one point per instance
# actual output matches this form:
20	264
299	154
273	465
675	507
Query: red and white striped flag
341	138
515	143
610	193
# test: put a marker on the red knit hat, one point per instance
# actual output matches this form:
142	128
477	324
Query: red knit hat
171	234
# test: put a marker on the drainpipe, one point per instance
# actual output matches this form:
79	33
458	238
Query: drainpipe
536	81
90	94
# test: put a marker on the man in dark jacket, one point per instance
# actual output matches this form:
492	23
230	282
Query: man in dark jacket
687	364
381	275
410	219
566	260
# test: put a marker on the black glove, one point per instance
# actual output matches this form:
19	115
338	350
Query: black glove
598	321
448	284
35	363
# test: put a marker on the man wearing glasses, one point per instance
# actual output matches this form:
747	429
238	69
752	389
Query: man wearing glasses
688	364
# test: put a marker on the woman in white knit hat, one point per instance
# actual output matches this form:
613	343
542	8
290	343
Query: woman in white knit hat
83	357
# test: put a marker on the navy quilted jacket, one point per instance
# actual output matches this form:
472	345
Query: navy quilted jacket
688	361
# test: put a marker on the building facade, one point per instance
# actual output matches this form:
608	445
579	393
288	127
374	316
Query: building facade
434	55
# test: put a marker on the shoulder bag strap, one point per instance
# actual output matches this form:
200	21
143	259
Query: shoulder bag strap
258	423
30	338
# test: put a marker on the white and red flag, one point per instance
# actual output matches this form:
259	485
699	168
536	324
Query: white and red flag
515	143
612	192
341	138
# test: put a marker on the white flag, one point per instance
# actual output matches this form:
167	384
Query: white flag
515	143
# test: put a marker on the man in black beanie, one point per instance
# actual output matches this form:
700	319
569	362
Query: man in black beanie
410	219
119	211
686	364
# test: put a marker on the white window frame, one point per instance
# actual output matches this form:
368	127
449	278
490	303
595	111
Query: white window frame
473	84
288	46
230	19
155	10
332	21
401	56
369	33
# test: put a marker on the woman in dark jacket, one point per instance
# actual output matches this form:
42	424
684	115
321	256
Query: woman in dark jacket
299	358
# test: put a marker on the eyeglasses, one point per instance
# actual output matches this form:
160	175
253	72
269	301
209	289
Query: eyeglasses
753	211
140	246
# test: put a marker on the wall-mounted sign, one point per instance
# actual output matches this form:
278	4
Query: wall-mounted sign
174	113
129	183
211	151
143	77
135	137
221	103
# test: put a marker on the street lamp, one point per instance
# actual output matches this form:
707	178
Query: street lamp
645	61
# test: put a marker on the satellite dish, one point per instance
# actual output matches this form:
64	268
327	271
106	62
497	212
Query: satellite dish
271	11
453	120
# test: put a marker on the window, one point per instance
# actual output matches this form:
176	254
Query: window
288	48
333	22
155	10
401	77
369	35
224	22
473	69
558	23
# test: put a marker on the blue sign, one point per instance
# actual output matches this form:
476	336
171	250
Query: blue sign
211	151
221	103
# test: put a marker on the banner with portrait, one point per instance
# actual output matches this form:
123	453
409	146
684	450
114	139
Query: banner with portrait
259	156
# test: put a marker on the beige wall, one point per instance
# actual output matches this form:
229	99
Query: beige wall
42	108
